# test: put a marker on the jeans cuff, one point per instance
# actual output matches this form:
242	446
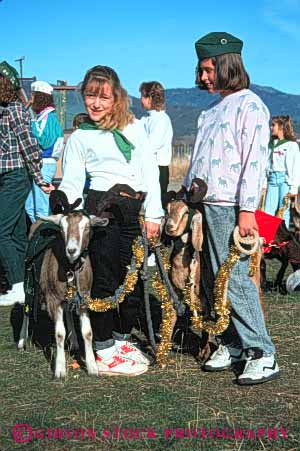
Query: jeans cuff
99	345
121	337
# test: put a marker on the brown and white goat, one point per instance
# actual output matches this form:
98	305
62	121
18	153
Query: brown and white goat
75	229
185	256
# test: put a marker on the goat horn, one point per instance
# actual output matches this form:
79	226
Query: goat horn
75	204
118	187
181	195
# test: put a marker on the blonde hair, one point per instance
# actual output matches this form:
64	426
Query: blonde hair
120	115
286	123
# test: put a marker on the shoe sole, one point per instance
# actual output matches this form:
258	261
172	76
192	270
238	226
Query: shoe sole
212	369
248	381
147	363
109	373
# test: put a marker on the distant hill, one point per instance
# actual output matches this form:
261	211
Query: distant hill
185	104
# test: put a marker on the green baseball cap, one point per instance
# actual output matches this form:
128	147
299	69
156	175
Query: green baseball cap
10	73
217	43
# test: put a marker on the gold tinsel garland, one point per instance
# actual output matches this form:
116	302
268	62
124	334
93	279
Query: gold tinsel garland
222	303
282	209
253	264
105	304
166	327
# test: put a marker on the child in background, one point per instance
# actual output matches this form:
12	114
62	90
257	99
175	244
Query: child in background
50	136
158	128
160	133
283	174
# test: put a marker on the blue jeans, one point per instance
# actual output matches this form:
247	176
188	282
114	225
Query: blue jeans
247	329
37	203
277	190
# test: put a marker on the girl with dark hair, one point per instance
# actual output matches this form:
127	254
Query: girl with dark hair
230	154
283	174
159	129
50	135
112	146
20	162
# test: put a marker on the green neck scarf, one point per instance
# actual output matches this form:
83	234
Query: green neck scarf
122	142
278	143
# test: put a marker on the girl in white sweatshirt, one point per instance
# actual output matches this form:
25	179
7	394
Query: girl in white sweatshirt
113	148
284	164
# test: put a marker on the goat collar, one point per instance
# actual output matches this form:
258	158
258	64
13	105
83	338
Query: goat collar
75	267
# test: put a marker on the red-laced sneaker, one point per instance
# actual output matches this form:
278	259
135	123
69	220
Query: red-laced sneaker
131	352
119	366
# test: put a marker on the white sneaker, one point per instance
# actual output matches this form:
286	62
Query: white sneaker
223	358
260	370
16	294
151	260
131	352
115	365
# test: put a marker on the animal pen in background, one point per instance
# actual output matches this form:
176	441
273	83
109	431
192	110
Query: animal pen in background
181	152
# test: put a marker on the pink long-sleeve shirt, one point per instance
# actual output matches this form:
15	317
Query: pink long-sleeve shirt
231	150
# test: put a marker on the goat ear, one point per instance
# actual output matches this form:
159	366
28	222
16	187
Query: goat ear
170	195
55	219
100	222
197	233
197	191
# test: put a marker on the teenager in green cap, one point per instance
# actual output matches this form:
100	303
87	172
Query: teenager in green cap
230	154
20	163
112	146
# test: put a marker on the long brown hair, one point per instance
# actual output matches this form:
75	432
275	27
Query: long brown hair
231	74
156	92
120	115
286	123
41	100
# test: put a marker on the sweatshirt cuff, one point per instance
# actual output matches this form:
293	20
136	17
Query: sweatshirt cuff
38	179
154	220
294	189
247	209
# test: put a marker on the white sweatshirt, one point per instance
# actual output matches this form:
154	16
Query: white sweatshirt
96	152
159	129
286	158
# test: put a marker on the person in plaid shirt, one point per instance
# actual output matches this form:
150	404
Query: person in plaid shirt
20	163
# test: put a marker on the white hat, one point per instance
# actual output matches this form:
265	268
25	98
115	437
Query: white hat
293	281
41	86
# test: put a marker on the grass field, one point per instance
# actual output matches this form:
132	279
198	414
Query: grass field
143	413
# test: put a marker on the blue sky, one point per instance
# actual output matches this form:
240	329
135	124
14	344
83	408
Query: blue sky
146	40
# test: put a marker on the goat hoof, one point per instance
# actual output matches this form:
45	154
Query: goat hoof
93	370
21	345
60	373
